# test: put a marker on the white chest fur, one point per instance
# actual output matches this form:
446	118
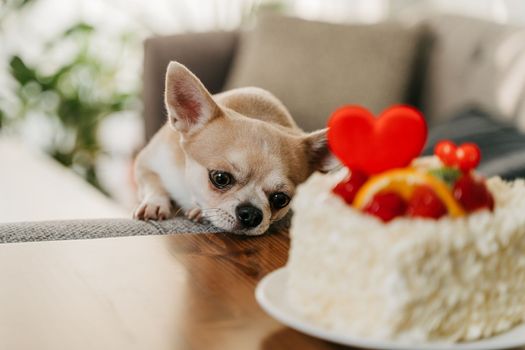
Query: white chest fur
164	162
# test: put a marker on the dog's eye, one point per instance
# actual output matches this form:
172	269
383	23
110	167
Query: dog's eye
279	200
220	179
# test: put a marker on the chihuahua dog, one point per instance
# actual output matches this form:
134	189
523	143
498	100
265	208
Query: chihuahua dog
233	159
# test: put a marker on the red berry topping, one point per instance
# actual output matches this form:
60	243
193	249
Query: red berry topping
348	188
386	206
425	203
466	157
473	194
446	151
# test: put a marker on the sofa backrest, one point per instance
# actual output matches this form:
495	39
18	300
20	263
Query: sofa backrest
475	63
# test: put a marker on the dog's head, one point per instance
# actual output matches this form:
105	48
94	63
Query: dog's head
242	171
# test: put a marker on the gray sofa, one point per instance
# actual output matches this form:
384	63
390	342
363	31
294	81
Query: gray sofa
461	72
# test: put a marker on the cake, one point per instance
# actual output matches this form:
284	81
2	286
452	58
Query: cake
445	267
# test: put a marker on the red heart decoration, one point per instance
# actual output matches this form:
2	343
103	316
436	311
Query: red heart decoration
373	145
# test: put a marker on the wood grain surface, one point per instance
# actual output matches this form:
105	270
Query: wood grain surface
183	291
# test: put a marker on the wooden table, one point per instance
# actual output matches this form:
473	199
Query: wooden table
183	291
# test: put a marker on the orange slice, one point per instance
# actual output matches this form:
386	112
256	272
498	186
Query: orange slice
403	182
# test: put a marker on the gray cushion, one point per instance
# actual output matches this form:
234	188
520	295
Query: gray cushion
316	67
475	63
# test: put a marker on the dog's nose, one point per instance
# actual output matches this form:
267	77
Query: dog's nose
248	215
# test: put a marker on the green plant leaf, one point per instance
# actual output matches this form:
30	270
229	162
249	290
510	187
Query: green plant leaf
80	27
22	3
20	71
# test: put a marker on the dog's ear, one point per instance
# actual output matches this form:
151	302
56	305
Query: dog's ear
189	104
319	154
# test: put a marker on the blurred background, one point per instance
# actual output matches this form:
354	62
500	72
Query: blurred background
72	76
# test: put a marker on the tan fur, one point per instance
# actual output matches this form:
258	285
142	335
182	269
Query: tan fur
246	132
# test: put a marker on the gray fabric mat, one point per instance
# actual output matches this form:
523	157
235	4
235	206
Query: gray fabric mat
84	229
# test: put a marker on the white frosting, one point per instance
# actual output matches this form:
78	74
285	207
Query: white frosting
411	279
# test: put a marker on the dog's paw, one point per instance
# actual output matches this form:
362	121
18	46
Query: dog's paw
194	214
153	208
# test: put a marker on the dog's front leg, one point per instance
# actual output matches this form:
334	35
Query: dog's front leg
155	202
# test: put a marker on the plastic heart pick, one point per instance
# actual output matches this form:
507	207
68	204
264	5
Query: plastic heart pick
373	145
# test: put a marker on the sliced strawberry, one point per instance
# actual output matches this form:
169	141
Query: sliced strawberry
425	203
386	206
473	193
348	188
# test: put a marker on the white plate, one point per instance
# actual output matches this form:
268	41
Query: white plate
271	295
